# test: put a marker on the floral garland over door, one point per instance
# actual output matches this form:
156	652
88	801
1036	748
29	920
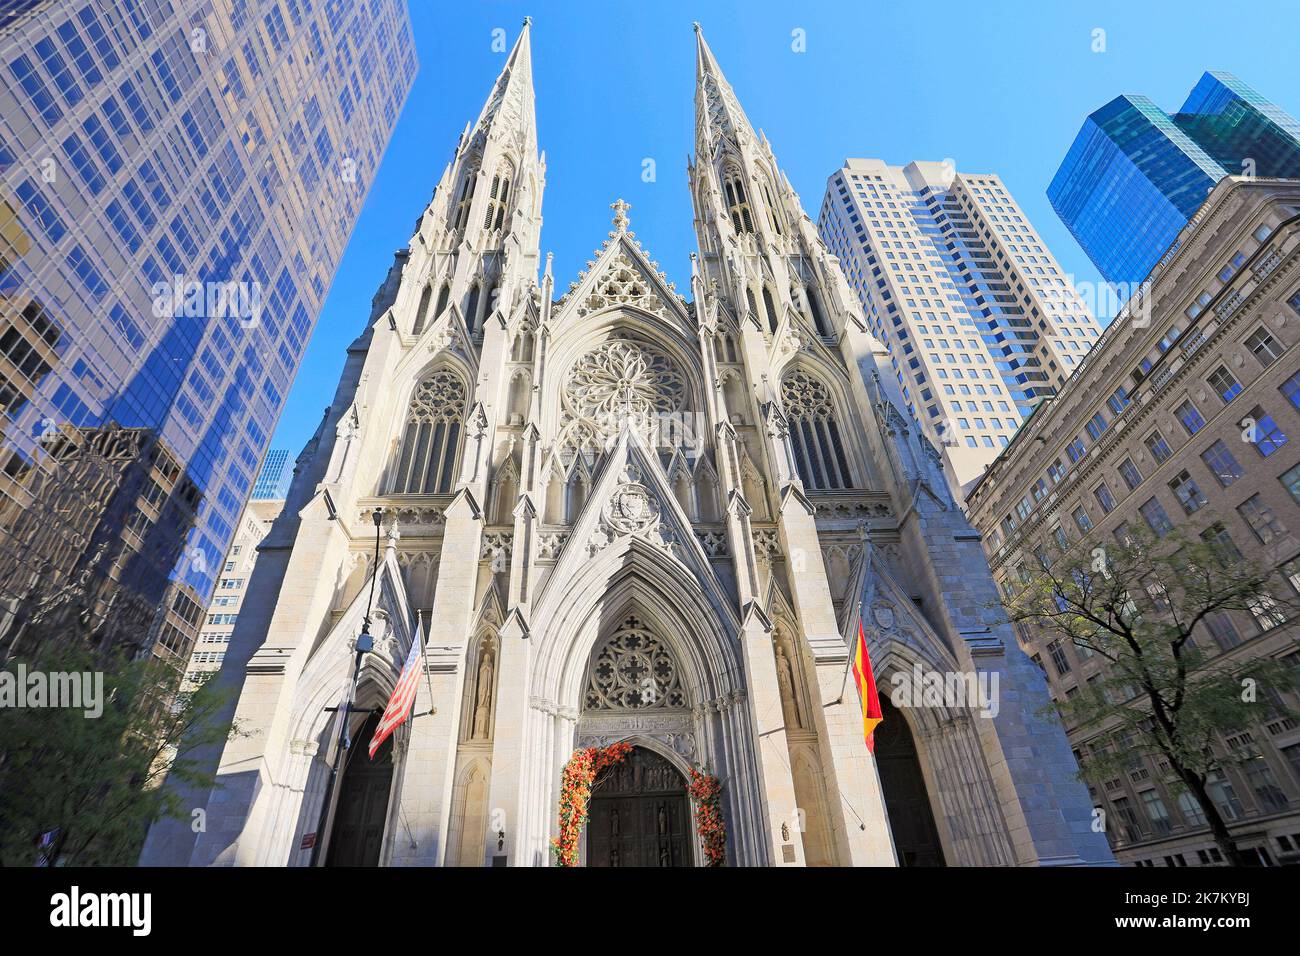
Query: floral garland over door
583	772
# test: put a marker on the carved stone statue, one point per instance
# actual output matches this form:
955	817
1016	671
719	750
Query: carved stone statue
483	700
785	677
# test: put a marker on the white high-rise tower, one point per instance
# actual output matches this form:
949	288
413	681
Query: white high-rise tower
980	323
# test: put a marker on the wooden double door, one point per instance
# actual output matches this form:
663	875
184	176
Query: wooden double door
362	808
640	815
916	838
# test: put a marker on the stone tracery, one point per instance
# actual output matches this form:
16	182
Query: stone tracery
633	670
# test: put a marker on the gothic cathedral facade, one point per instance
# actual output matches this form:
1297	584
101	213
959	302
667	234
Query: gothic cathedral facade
624	515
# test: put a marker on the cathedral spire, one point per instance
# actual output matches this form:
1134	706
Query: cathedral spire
717	111
510	107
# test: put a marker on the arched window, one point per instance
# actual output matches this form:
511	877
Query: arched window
443	295
471	310
773	211
733	185
819	322
422	312
495	217
773	318
814	433
466	199
750	301
426	459
490	301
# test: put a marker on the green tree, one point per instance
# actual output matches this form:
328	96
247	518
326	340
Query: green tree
1143	605
95	781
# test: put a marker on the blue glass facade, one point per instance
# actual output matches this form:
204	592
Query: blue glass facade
1135	174
178	181
273	480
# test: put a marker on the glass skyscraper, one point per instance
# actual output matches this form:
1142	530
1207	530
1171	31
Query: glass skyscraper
273	480
1135	174
178	181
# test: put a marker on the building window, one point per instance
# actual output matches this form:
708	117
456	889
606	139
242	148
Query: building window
1223	795
1158	447
1128	819
1224	384
1187	492
1191	811
1128	471
1266	612
1156	812
426	462
1058	535
1190	417
1075	450
1221	628
1264	347
1081	520
1261	519
1104	498
733	186
1260	428
1291	389
1291	572
1156	518
1222	465
1292	755
1096	425
466	200
1059	660
1264	785
494	219
1291	481
1217	537
815	435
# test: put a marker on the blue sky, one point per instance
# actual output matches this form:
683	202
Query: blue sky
1003	90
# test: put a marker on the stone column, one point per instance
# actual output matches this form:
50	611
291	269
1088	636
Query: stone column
427	787
505	805
783	841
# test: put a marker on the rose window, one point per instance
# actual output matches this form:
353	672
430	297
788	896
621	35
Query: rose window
622	378
633	670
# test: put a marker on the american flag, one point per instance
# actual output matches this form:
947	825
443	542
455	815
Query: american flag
399	705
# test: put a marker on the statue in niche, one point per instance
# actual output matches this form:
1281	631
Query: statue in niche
785	677
483	701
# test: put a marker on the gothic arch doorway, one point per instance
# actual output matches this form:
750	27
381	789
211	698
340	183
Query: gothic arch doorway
911	821
362	810
640	815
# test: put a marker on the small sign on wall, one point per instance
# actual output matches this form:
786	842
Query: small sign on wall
308	841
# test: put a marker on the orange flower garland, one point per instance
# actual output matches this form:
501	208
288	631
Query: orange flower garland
576	782
706	791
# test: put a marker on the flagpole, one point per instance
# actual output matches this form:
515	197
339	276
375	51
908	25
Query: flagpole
868	583
424	662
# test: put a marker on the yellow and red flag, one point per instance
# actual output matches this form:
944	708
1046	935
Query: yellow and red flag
866	681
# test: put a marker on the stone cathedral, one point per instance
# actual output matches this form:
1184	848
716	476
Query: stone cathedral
624	514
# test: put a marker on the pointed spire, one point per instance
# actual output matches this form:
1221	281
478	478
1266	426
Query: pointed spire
512	95
717	111
705	63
